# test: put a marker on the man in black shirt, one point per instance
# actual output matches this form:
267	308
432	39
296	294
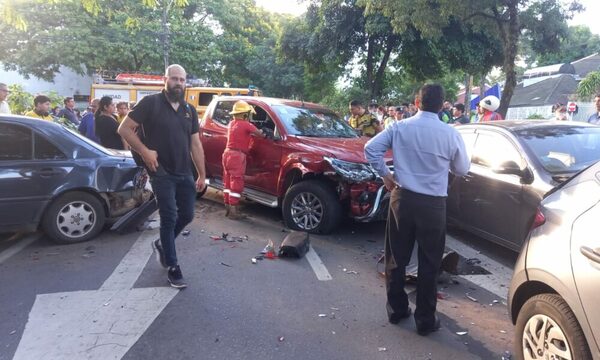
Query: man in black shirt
170	134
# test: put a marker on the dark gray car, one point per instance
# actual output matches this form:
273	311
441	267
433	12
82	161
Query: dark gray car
59	180
513	164
553	297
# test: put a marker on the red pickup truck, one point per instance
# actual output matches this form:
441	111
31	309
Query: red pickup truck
312	165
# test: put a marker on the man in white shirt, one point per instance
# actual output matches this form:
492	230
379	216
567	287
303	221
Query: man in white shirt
4	108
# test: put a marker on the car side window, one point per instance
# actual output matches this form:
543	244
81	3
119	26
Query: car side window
469	138
45	150
262	120
221	112
15	142
491	150
205	98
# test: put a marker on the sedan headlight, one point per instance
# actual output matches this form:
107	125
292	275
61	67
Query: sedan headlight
350	171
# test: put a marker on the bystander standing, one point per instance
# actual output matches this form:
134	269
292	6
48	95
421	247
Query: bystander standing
41	108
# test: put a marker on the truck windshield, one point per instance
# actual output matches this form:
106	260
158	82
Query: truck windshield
302	121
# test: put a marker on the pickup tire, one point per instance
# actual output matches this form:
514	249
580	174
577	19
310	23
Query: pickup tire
312	206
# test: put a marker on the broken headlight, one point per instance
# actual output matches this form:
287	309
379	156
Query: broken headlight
350	171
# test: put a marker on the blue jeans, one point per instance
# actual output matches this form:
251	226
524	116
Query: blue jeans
176	196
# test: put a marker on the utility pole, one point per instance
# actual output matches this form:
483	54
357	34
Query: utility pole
166	32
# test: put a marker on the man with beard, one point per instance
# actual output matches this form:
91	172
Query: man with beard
168	128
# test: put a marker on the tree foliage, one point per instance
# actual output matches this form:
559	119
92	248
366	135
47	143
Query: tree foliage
590	86
577	42
540	20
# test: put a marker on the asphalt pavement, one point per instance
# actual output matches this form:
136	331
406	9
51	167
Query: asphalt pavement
109	298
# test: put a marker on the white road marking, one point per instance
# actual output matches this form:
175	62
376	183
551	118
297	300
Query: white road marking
132	265
317	265
16	248
96	325
497	282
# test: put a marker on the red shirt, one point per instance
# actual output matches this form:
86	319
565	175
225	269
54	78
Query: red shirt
239	135
491	116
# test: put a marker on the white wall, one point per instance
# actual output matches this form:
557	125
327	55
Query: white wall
66	83
585	110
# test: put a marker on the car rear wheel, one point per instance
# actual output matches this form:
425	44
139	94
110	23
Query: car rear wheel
311	206
547	329
74	217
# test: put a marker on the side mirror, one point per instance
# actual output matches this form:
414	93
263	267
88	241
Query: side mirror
509	167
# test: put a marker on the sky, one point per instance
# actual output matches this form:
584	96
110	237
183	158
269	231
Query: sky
588	17
283	6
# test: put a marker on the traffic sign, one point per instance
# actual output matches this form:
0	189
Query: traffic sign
571	106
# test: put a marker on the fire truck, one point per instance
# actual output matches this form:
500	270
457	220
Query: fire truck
132	87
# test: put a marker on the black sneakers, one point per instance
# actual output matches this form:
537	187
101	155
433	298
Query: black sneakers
175	277
160	255
424	330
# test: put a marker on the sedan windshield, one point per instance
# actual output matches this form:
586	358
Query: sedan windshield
313	122
563	149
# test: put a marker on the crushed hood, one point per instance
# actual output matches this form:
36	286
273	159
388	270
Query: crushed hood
352	150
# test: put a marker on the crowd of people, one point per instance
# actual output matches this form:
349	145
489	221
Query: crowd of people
371	120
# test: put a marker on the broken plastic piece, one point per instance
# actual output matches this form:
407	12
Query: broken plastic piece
281	338
380	349
185	233
254	260
470	297
462	333
322	315
222	263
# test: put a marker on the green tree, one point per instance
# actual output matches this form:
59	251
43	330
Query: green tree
577	42
541	20
19	100
590	86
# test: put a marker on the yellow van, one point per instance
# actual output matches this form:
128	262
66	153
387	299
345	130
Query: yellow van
133	87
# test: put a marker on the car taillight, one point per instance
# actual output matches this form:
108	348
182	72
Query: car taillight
538	220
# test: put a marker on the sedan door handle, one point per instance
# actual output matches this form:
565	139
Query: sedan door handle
590	254
204	133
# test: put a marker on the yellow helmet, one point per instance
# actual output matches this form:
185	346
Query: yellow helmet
241	107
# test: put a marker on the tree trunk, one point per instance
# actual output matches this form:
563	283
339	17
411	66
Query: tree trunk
468	83
512	32
482	87
377	85
370	51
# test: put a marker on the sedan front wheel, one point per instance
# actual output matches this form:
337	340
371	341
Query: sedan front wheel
74	217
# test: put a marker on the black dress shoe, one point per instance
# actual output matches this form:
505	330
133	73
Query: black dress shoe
395	318
426	330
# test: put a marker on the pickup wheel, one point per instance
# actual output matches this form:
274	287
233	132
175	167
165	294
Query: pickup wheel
311	206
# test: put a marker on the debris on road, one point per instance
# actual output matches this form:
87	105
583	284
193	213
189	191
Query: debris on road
253	260
322	315
281	338
13	332
335	309
442	295
296	244
351	272
473	261
185	233
507	355
224	264
462	333
502	331
380	349
470	297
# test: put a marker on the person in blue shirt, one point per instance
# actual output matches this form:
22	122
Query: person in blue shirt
68	112
424	149
595	117
86	126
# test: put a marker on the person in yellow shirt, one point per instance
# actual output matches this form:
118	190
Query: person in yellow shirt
122	110
41	108
363	121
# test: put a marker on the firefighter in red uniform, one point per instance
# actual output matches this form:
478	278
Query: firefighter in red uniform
239	133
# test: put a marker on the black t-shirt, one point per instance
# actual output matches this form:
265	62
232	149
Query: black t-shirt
106	130
168	132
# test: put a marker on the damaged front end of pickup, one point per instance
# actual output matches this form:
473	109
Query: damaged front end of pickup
362	189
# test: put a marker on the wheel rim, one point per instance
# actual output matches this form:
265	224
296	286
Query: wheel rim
76	219
544	339
307	211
